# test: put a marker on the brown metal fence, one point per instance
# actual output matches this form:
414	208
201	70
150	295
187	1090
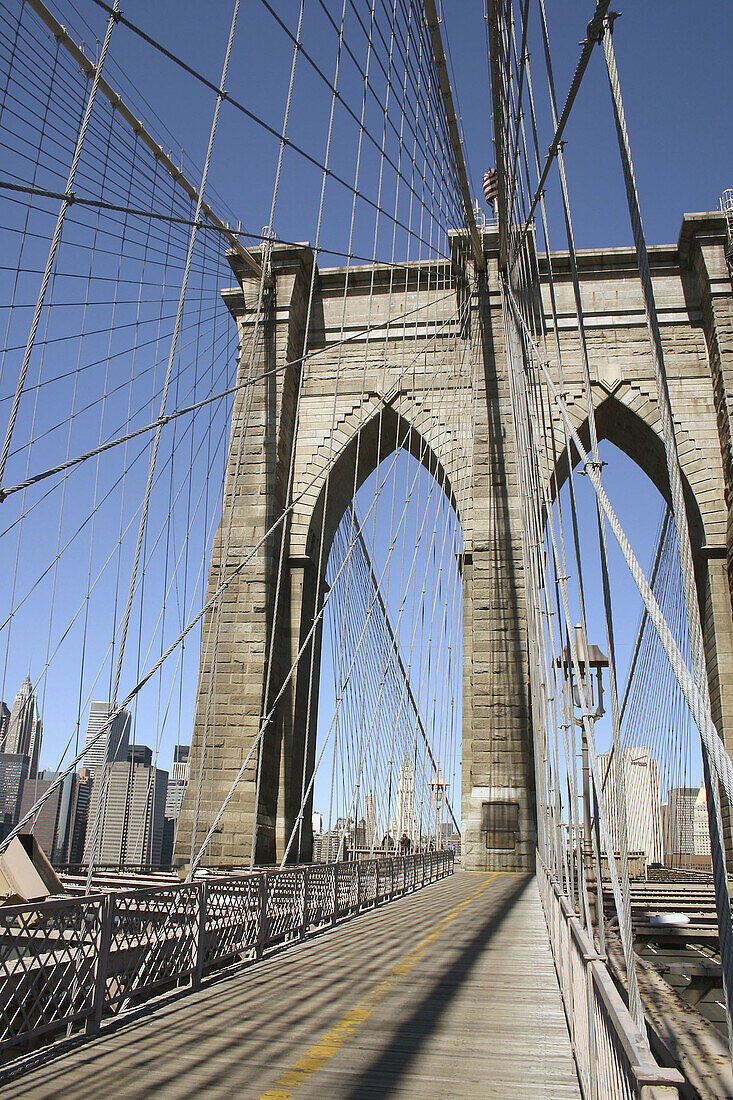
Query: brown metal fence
68	964
612	1057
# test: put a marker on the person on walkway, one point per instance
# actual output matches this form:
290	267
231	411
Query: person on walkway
405	845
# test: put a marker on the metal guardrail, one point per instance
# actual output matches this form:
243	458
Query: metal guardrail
68	964
612	1057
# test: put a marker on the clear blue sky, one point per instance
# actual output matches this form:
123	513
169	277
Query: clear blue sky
674	60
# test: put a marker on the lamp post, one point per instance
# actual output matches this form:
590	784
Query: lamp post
590	659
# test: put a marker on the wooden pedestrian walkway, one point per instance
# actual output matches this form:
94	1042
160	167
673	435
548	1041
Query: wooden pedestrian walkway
449	992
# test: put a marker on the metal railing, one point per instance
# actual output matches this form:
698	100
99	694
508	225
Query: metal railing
69	964
612	1057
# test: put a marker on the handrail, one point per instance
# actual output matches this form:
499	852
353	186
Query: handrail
613	1058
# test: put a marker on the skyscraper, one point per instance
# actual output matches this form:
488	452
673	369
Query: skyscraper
174	800
84	784
370	820
679	832
113	743
643	806
13	775
406	802
179	773
52	825
4	723
700	825
126	825
25	728
104	746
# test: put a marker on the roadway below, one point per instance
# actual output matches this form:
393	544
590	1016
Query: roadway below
448	992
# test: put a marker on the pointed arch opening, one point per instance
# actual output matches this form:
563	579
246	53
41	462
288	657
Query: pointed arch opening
371	758
662	762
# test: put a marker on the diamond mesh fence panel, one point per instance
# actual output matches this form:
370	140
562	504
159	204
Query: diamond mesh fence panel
153	942
347	890
320	894
384	879
232	919
285	903
69	961
48	960
368	883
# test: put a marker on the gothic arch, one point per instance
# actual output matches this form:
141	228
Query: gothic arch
636	434
635	431
358	456
341	475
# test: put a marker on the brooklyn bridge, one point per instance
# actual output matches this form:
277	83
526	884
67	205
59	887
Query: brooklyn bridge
368	558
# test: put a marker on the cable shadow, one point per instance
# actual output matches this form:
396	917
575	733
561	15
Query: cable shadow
395	1062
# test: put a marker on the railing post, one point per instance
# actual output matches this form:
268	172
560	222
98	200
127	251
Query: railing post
391	878
335	892
590	999
106	918
305	902
358	884
262	927
203	897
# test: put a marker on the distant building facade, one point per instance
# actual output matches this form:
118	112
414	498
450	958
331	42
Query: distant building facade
700	826
84	782
370	820
642	801
177	784
126	818
326	846
4	723
104	748
13	776
405	819
179	772
679	838
53	825
106	743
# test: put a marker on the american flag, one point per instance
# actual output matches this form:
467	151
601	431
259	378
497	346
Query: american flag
491	186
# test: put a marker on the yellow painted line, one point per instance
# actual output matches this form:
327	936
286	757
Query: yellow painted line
332	1040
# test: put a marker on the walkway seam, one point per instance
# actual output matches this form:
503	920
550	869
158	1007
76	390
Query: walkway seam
332	1040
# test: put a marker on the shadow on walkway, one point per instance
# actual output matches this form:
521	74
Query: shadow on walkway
236	1037
395	1062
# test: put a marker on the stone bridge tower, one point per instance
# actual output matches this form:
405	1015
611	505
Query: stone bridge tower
352	408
